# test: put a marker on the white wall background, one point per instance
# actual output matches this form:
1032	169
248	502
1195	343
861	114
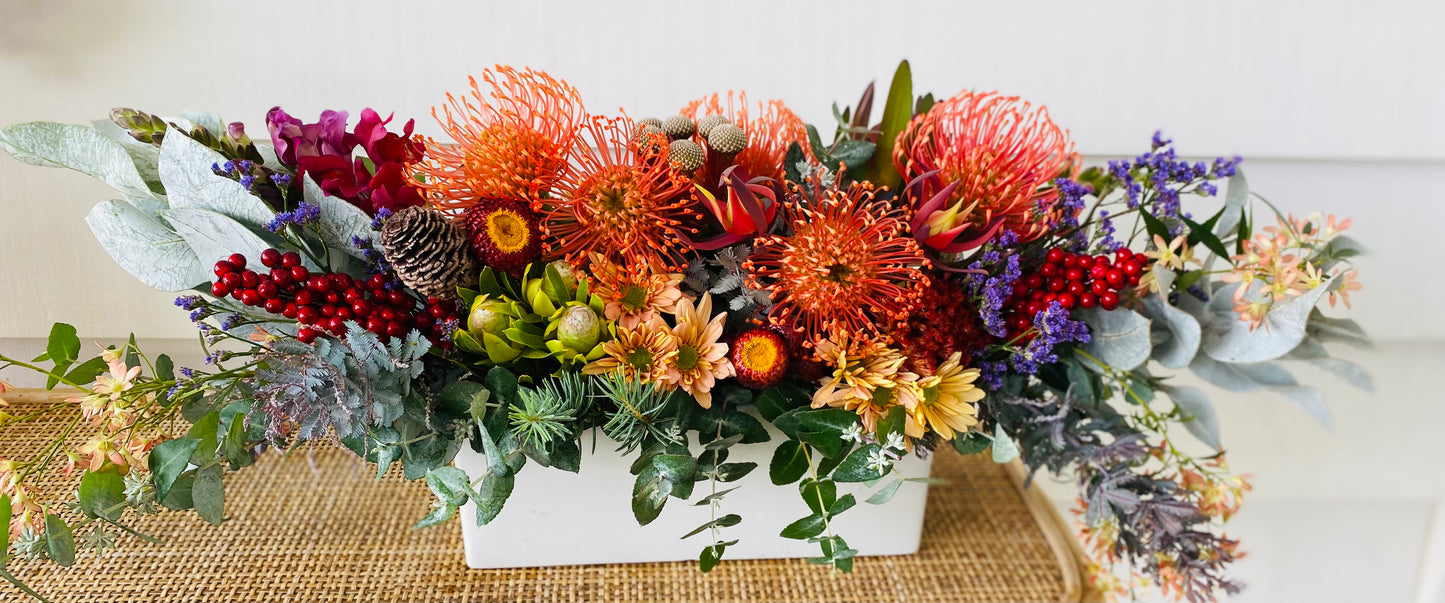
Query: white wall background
1336	106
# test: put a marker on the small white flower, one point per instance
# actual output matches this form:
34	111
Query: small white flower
878	462
854	433
674	433
895	441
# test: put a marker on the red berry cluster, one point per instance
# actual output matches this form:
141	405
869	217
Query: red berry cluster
324	302
1075	281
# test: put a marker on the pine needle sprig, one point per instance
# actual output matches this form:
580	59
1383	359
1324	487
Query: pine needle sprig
549	411
638	416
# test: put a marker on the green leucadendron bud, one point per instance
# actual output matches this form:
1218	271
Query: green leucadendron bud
579	328
487	317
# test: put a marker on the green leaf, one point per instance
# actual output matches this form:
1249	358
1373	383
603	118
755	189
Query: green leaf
779	399
675	468
492	494
6	512
208	494
146	248
236	444
165	368
87	371
567	456
819	494
63	347
1154	226
455	400
897	110
827	464
855	468
1201	232
179	497
725	521
449	484
972	442
59	541
1004	449
649	494
804	528
790	462
788	422
885	494
1119	338
712	554
892	422
791	161
102	493
827	442
854	154
437	516
815	142
503	385
843	504
724	443
709	423
204	432
834	420
132	353
1197	413
168	460
731	472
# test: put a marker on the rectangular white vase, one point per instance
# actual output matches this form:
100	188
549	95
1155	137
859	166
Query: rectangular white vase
555	517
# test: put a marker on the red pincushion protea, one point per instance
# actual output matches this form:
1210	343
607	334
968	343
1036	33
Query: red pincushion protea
946	321
999	153
618	198
848	265
771	129
510	144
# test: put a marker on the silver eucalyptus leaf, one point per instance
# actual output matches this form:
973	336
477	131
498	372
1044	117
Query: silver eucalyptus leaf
1119	337
144	247
1242	377
1181	333
185	168
1310	400
79	148
209	121
1199	416
1235	194
145	156
1343	330
215	236
1004	448
1233	341
1347	371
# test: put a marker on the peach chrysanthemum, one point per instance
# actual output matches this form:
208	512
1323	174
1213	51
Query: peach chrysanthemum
771	129
511	143
634	293
619	198
1002	151
866	378
947	398
701	359
848	266
641	354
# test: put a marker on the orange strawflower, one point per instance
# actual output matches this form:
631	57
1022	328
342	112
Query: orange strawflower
512	143
847	267
1002	152
619	198
771	129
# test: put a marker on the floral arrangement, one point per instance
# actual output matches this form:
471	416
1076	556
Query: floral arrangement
948	276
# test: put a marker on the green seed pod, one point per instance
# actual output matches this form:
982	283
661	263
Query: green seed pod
708	122
679	127
727	139
685	155
487	317
579	329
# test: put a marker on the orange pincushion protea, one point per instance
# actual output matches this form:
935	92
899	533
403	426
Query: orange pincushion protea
1001	151
511	146
848	265
620	199
771	128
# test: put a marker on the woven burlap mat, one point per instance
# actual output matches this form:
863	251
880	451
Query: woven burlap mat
316	526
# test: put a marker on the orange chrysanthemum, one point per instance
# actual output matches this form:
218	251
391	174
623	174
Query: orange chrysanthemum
848	265
620	199
1002	151
641	354
634	293
513	145
771	129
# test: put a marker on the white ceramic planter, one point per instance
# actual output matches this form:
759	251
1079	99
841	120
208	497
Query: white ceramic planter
555	517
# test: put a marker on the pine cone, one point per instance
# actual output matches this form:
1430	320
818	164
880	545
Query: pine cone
429	253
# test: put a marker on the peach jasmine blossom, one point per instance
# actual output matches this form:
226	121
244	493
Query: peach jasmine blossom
701	359
1253	312
117	382
102	449
1345	283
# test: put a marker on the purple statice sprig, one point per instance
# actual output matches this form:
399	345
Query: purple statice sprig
1156	180
305	214
1052	327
